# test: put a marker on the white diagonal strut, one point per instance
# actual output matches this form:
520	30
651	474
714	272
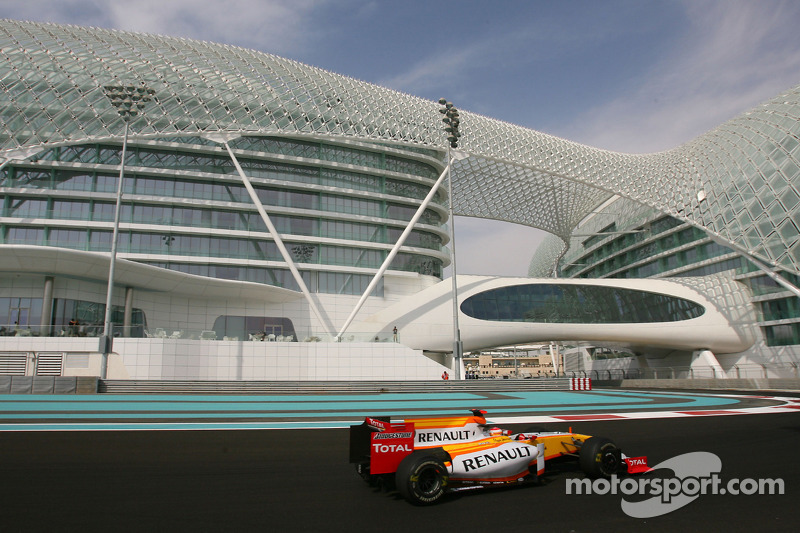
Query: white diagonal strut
278	241
395	249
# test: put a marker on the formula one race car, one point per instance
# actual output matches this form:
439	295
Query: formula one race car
424	458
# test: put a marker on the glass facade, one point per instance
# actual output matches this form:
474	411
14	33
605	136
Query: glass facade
664	245
562	303
69	318
247	327
780	312
185	207
660	246
783	335
19	313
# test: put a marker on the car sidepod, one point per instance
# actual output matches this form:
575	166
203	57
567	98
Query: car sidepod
497	460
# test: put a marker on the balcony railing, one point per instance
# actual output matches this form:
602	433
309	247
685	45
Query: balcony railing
177	332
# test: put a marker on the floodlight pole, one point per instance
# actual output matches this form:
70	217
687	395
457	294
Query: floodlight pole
458	347
128	100
452	122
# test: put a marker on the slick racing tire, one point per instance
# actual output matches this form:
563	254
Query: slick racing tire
421	478
599	457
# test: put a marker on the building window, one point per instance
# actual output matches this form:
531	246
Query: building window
16	235
578	304
782	335
241	327
594	239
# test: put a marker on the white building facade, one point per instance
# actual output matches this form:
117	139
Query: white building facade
278	221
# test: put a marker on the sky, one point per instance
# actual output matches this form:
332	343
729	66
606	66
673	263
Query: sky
634	76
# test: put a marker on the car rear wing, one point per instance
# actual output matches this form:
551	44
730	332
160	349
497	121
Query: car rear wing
381	443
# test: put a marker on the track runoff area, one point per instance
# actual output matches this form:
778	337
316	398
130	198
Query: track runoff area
316	411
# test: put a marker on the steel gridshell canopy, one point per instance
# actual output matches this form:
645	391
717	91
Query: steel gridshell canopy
740	182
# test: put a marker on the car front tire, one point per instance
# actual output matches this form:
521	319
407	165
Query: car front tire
600	457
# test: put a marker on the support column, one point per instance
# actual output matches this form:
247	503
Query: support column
394	250
126	321
274	232
45	326
706	358
556	357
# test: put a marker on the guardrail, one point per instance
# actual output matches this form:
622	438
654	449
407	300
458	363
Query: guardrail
327	387
181	331
745	371
48	385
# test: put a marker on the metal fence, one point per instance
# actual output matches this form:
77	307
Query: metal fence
743	371
131	386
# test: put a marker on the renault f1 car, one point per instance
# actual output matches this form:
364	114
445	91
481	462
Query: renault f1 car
424	458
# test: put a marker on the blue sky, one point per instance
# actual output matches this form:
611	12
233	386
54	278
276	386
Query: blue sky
626	75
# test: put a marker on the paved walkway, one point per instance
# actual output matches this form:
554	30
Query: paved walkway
170	412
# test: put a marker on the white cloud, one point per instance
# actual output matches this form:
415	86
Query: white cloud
275	26
272	26
490	247
735	56
466	62
445	66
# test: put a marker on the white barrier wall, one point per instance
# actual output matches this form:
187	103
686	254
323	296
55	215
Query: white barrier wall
238	360
227	360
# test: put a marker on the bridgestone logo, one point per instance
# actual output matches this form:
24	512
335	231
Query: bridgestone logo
381	436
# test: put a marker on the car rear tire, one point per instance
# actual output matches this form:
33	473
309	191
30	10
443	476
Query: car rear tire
599	457
421	478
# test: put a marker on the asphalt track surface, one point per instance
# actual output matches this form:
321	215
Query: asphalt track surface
300	480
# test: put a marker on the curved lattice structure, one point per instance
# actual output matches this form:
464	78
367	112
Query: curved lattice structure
740	182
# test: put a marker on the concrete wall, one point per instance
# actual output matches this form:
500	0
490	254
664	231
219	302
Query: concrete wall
246	360
179	359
